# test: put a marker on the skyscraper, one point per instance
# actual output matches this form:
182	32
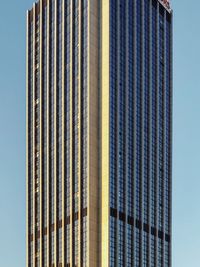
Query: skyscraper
99	133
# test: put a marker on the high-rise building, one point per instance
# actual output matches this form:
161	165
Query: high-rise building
99	133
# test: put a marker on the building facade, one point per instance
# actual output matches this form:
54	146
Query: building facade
99	133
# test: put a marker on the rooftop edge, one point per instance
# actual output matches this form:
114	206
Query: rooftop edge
166	5
36	5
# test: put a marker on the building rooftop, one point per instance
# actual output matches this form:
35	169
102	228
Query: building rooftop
165	3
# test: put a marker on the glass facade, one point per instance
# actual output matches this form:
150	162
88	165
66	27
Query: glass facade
58	133
140	133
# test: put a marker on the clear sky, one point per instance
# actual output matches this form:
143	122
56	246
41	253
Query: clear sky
186	158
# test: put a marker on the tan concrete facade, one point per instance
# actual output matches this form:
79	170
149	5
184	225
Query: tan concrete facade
105	209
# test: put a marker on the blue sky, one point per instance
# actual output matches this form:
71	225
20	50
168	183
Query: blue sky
186	143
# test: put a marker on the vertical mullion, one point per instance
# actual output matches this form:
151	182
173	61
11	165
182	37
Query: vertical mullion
88	129
71	137
126	131
63	133
135	124
48	128
41	125
117	130
171	128
133	132
164	137
150	123
27	138
79	134
138	133
34	87
157	129
142	131
68	129
55	135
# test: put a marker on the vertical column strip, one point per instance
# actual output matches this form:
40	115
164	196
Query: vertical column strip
88	129
34	226
41	126
92	131
71	137
126	129
63	133
117	130
79	136
55	135
99	134
142	130
157	129
171	128
135	125
27	139
164	137
150	122
105	162
48	129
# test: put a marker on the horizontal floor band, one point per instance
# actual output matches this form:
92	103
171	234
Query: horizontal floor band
138	224
59	224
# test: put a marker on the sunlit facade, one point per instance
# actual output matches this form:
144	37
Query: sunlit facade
99	133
